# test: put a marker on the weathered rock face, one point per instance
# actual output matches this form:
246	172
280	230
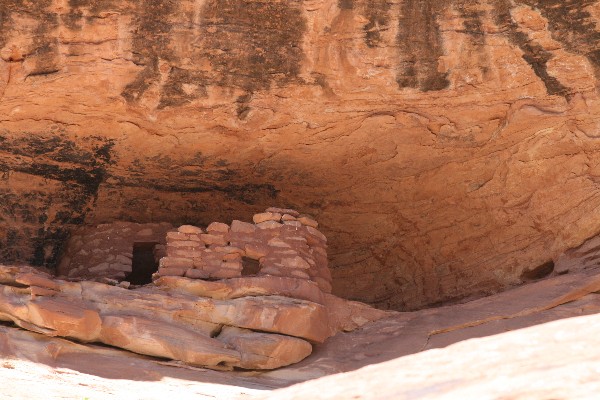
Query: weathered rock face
447	148
478	350
244	328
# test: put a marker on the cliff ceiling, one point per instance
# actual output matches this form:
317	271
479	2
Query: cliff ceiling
448	148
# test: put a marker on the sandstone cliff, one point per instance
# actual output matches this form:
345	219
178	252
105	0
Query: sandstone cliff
447	148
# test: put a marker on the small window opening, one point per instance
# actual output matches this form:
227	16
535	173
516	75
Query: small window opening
250	266
143	264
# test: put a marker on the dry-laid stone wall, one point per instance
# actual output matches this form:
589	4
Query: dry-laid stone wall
245	295
279	242
106	250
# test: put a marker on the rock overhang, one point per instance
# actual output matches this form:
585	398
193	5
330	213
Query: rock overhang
200	310
433	165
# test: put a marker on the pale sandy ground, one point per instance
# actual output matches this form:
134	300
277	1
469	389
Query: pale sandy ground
456	352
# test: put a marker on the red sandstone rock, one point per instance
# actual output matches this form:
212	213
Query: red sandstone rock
189	229
256	251
144	336
182	324
266	216
304	220
217	227
173	262
224	273
400	357
172	271
36	279
213	239
41	291
295	262
192	273
269	225
242	227
232	257
264	351
414	131
587	255
288	211
245	286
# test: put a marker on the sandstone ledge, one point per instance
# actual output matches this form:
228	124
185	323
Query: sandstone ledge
249	331
375	361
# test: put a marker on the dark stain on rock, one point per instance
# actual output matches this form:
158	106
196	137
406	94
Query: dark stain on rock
45	41
252	193
535	55
77	8
420	43
182	87
197	174
243	105
572	25
472	15
250	45
7	8
346	4
248	193
40	217
151	42
253	44
48	245
72	19
377	12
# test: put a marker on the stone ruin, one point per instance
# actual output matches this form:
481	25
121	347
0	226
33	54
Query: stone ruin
244	295
279	243
113	251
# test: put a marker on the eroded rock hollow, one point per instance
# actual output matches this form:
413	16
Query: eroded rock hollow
204	307
447	149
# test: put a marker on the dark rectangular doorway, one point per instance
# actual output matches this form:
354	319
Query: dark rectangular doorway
143	263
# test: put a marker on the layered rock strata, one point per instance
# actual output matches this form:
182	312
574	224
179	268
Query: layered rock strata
467	350
248	331
444	146
583	257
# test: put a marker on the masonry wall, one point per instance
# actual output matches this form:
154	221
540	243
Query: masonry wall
279	242
106	250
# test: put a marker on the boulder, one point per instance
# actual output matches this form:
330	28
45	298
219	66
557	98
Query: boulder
252	323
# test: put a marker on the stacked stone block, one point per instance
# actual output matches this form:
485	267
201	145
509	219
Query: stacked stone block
105	251
197	254
283	242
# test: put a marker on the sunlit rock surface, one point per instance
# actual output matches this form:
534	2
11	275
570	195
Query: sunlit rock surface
459	351
248	331
447	148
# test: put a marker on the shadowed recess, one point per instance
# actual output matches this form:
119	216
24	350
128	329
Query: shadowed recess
50	182
538	272
143	263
